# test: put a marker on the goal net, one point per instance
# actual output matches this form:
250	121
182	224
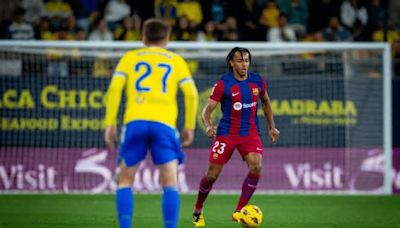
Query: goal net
331	102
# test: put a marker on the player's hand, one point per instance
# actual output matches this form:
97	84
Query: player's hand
211	131
110	136
187	137
274	134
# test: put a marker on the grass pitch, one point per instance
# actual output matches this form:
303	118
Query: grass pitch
281	211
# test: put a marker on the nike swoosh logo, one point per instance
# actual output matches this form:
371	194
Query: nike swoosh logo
235	94
257	148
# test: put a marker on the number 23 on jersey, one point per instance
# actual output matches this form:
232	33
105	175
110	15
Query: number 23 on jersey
218	147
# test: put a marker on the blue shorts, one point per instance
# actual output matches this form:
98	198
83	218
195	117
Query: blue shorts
140	136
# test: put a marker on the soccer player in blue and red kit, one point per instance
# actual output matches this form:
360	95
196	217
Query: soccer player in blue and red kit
238	91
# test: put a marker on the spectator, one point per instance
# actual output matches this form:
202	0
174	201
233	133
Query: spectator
166	10
297	15
282	33
80	34
57	10
182	31
208	33
230	32
43	31
34	10
335	32
215	11
67	29
101	31
393	36
270	14
129	30
70	26
192	9
115	11
352	11
193	30
19	29
314	37
62	34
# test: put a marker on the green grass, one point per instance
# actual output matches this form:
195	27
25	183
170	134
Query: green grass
279	211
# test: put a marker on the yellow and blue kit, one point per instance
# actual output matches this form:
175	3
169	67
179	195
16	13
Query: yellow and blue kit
151	78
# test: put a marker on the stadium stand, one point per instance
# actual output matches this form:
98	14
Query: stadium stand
245	20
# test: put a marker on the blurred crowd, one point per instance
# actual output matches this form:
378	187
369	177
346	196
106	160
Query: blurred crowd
205	20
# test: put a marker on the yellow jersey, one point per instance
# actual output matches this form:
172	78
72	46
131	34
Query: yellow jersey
151	77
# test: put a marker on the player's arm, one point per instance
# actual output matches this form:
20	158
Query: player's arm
217	93
266	107
191	100
114	95
206	117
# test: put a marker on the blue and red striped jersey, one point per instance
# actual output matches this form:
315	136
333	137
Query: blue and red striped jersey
239	102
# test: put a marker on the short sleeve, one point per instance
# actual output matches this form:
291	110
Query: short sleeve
217	91
264	87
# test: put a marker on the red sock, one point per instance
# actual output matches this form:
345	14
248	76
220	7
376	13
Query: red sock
204	188
248	188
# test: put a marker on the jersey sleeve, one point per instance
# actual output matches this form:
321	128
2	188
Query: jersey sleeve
264	87
217	91
191	100
114	92
190	94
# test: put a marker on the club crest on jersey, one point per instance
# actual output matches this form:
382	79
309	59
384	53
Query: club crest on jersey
215	155
139	99
255	91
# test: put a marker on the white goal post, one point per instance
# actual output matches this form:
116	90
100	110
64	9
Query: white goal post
332	103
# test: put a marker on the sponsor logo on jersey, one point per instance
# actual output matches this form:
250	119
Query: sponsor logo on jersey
238	106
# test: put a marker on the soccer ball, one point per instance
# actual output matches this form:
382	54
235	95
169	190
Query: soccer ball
251	216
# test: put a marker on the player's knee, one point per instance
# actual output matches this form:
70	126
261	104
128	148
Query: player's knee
255	168
124	179
213	172
212	177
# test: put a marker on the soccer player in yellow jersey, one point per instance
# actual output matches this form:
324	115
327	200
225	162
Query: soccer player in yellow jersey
150	77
